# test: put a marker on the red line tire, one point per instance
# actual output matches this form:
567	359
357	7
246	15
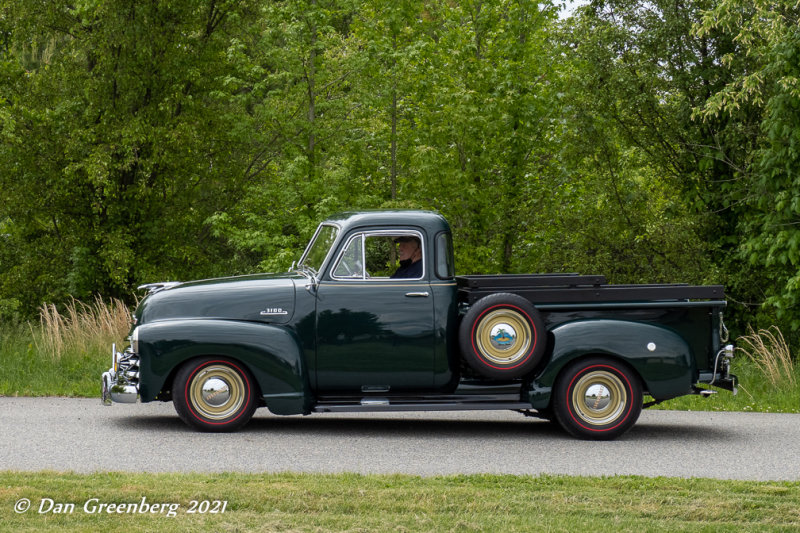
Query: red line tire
502	336
597	399
214	394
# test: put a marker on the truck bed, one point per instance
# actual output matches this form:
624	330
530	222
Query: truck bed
548	289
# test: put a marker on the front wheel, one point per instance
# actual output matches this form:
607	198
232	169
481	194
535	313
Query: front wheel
597	399
214	394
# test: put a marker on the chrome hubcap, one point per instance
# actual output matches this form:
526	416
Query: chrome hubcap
217	392
599	398
503	336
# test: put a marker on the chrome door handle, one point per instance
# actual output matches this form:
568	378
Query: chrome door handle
417	294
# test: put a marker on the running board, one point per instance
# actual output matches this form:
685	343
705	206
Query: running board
383	405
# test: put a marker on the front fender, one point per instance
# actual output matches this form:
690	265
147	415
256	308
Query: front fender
660	356
271	353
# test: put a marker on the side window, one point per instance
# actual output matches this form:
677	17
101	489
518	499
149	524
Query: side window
381	256
351	264
445	267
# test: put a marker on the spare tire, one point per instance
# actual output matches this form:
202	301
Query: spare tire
502	336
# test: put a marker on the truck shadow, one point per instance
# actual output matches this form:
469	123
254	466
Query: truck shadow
443	428
396	427
374	426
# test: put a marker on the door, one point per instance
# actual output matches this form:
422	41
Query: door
375	330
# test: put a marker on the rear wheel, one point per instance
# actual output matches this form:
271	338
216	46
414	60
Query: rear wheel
214	394
597	398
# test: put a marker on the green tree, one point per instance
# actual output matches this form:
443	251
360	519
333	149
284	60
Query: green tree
119	141
667	183
442	105
297	66
486	99
391	37
769	34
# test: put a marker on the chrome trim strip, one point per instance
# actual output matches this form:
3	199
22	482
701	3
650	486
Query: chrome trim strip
372	281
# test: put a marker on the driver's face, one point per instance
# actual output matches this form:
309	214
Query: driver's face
407	250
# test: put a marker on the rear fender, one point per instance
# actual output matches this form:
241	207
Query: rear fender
271	353
659	356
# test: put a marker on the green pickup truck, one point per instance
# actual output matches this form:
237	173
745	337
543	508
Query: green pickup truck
373	318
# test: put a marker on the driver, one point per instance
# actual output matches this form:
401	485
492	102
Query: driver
410	254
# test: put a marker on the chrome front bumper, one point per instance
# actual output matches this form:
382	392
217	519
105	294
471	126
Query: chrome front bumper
121	382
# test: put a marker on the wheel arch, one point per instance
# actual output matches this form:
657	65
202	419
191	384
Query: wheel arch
272	355
658	356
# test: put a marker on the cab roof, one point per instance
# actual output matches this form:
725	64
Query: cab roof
430	222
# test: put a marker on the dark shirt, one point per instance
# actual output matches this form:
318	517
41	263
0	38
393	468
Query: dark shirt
408	269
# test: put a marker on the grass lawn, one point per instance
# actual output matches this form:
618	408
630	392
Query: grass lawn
348	502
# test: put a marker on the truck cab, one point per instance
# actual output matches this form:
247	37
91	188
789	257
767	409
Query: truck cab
375	331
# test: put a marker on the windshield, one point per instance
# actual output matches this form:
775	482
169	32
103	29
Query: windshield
319	247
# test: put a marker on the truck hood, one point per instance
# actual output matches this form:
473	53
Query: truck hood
260	298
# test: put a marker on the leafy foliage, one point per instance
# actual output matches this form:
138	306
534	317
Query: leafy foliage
768	33
119	141
171	140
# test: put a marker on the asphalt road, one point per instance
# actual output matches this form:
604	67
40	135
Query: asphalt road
83	436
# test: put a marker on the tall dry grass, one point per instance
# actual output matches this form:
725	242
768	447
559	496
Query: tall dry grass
768	350
80	327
